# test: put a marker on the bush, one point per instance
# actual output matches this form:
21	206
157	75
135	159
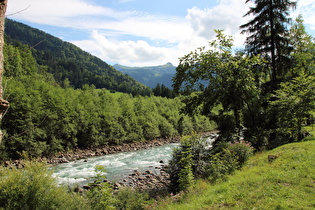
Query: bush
33	187
194	158
128	198
220	165
100	195
181	166
231	158
240	150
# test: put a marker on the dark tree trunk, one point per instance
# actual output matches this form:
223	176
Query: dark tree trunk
273	41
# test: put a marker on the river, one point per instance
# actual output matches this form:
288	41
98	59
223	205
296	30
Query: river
118	166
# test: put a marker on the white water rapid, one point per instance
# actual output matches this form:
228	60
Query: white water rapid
118	166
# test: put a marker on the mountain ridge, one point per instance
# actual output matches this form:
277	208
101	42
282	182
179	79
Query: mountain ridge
64	61
150	75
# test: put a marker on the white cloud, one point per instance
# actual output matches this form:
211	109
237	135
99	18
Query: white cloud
226	16
55	12
130	53
186	35
307	9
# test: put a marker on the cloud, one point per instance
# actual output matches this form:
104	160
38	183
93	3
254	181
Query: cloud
306	8
185	34
145	32
130	53
56	13
226	16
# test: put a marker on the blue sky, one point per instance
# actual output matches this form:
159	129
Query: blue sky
141	32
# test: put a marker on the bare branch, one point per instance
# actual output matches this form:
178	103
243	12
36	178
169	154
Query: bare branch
18	11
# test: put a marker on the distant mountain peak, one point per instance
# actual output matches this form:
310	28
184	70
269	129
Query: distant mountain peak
169	64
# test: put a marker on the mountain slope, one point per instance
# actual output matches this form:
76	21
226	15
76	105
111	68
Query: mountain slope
65	60
151	75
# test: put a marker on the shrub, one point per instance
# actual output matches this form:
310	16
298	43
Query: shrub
100	195
180	166
33	187
240	150
194	159
128	198
220	165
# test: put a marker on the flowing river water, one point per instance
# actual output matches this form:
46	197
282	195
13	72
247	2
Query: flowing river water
118	166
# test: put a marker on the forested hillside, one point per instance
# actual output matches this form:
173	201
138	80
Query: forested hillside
46	117
68	62
151	75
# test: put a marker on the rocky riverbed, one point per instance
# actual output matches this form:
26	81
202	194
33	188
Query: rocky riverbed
153	184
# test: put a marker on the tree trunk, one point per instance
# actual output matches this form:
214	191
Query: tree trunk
273	41
238	126
3	103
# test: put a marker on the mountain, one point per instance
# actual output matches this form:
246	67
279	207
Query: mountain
68	62
151	75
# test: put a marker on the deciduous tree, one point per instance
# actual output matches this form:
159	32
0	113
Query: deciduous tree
223	78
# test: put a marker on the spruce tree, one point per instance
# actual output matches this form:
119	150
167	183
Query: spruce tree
268	34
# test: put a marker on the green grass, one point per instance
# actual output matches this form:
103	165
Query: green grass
288	182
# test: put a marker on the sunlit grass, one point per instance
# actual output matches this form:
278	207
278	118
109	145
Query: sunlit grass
287	182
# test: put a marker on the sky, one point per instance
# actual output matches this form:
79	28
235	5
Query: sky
141	32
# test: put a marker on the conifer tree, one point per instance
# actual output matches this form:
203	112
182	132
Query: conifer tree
268	33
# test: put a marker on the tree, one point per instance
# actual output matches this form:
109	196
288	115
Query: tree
219	78
303	54
3	103
268	33
295	100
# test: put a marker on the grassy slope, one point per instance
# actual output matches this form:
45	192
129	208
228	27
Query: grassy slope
286	183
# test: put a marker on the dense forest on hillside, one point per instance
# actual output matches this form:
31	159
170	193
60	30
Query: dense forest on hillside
45	117
66	61
151	75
